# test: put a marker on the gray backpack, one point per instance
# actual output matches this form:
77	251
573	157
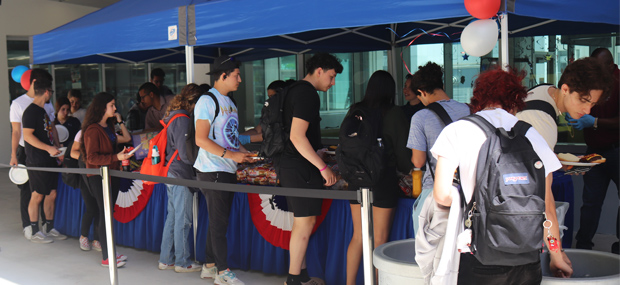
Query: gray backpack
507	207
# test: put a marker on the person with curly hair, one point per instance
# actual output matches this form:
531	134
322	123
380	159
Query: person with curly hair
175	250
498	96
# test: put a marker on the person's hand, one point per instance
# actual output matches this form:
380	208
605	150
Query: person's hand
118	117
52	150
13	161
243	139
240	157
123	155
586	121
329	177
560	265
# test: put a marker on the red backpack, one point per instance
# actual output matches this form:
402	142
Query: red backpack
160	140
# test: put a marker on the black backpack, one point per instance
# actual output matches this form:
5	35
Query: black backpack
190	142
541	105
508	202
272	124
360	158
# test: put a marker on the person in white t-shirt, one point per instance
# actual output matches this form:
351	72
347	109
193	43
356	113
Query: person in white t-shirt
497	97
18	154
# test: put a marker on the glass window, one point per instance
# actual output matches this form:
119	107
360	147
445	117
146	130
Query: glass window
85	77
263	73
123	81
176	77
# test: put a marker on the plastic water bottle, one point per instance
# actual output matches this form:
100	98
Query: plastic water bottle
155	155
380	142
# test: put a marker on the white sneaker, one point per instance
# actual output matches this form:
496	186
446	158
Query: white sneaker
191	268
163	266
227	277
28	232
40	237
56	235
208	272
121	257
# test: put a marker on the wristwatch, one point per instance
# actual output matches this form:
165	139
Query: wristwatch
595	123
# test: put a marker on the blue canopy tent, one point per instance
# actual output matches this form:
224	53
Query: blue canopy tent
136	30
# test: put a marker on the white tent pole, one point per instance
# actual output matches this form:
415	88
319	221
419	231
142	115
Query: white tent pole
189	63
504	40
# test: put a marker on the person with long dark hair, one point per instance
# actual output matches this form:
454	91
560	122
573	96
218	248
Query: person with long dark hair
175	250
63	112
379	97
100	149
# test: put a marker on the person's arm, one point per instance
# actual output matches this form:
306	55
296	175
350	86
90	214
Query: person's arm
125	137
75	150
444	172
608	123
16	134
203	141
55	135
30	138
559	263
303	146
418	158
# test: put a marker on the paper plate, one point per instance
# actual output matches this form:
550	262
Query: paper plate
330	152
18	176
62	152
63	133
578	163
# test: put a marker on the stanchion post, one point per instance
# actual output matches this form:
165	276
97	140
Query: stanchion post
109	230
368	242
195	220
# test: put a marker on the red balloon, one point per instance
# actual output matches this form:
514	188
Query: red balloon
25	80
482	9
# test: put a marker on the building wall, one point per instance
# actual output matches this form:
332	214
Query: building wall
24	18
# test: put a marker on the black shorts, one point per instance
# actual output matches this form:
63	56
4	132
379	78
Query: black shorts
384	194
42	182
301	174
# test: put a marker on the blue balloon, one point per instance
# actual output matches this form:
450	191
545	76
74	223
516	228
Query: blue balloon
17	73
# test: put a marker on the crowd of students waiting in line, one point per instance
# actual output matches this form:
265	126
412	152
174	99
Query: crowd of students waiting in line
413	136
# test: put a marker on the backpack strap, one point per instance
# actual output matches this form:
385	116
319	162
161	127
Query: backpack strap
482	123
543	106
443	115
441	112
217	111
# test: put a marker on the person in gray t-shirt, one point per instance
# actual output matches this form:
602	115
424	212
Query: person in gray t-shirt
427	84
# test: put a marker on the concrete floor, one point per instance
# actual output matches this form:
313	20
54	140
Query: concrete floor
62	262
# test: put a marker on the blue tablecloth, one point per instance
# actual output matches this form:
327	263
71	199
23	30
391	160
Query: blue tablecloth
247	250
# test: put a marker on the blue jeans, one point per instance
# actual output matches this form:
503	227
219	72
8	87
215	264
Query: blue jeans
595	185
174	244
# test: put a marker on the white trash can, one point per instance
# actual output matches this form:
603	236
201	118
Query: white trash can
395	262
589	267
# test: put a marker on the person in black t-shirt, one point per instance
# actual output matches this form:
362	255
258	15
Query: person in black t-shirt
41	144
73	124
300	165
413	104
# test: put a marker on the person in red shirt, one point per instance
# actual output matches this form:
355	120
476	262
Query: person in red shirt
601	132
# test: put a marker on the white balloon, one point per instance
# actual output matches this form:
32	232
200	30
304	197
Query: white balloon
479	37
